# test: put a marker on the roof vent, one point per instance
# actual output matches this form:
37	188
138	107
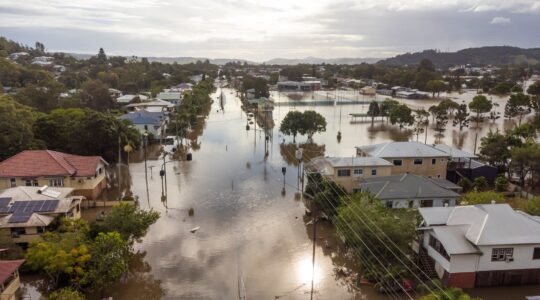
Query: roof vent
43	189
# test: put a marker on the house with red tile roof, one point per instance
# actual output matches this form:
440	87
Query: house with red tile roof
86	174
9	278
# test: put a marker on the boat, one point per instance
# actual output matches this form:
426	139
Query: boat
194	229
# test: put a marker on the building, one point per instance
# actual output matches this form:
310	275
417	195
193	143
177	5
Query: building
157	105
27	211
173	96
154	123
9	278
306	86
115	94
368	91
130	98
349	171
464	164
410	191
16	55
480	245
85	174
43	60
410	157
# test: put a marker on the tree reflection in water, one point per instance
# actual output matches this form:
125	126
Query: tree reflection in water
388	131
311	150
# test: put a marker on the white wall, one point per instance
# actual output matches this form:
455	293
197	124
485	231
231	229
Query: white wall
523	255
404	203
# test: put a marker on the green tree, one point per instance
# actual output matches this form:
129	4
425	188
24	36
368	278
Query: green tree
494	148
435	87
503	88
95	95
447	293
16	123
373	110
480	105
110	257
478	197
421	122
531	206
101	57
480	183
64	294
402	115
524	160
501	183
291	124
387	106
465	183
312	122
534	89
461	118
517	106
130	221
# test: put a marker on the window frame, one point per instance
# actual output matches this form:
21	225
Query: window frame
56	182
340	172
536	253
416	160
360	173
373	172
501	254
433	161
394	162
13	182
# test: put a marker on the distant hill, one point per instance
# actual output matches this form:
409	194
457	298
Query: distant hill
316	61
495	55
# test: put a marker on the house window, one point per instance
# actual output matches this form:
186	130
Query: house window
344	173
358	172
501	254
40	230
13	182
426	203
16	231
398	162
58	182
389	204
374	172
418	161
433	161
437	246
446	203
536	253
411	204
31	182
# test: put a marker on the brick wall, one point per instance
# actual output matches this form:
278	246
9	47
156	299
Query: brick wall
462	280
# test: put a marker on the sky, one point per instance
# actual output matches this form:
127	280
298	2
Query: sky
265	29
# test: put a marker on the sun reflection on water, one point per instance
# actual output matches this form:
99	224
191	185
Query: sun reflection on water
306	272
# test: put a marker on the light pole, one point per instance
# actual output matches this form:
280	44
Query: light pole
299	154
145	141
283	171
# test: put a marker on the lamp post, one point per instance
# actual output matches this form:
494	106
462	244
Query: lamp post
299	154
145	141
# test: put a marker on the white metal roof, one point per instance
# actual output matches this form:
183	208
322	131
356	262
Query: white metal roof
352	161
453	239
402	149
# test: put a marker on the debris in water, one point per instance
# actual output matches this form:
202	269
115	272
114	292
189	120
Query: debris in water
194	229
191	211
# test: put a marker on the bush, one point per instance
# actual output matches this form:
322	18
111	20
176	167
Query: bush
465	184
480	183
64	294
501	183
475	197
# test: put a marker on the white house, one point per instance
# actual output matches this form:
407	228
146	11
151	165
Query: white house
129	97
173	96
480	245
154	123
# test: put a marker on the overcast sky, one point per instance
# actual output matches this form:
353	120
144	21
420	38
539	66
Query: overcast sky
264	29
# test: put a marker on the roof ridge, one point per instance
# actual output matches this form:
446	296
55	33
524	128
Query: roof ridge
63	155
382	148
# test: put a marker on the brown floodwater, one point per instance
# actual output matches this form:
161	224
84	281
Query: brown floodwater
253	241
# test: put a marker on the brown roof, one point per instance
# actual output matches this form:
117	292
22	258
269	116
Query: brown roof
7	267
35	163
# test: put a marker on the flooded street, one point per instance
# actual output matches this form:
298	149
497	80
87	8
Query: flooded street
252	241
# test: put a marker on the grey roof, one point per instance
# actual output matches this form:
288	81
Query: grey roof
487	224
406	186
402	149
453	239
337	162
454	152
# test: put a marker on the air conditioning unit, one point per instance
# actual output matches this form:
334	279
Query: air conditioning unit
509	259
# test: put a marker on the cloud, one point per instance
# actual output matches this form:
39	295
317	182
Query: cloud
263	29
500	20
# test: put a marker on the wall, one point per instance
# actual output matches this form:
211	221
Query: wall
426	168
404	203
522	258
9	292
351	182
30	236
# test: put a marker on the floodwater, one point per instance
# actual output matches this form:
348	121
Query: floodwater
252	241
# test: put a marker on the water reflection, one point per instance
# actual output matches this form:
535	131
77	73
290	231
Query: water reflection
310	151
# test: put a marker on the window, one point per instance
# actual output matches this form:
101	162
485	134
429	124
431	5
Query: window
16	231
358	172
343	173
437	246
502	254
389	204
446	203
418	161
398	162
411	204
13	182
433	161
58	182
426	203
536	253
374	172
40	230
31	182
100	170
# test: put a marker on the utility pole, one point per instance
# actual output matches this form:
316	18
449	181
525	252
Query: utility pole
145	141
299	155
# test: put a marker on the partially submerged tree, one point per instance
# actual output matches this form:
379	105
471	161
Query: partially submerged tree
480	105
402	115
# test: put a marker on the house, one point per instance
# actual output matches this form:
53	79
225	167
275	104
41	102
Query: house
409	191
409	157
115	94
464	164
299	86
184	86
173	96
349	171
368	90
129	98
480	245
156	105
16	55
85	174
9	278
154	123
43	60
250	94
196	78
26	211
